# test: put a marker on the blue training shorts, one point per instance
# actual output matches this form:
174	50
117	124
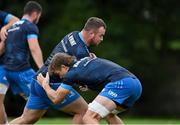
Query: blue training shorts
39	100
20	81
3	79
124	92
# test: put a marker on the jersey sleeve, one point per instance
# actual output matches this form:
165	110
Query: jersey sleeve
66	86
32	31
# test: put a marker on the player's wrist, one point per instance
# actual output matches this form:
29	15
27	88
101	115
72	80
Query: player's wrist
45	84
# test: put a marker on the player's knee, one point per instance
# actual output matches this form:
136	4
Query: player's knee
83	111
85	118
91	116
83	107
29	119
110	116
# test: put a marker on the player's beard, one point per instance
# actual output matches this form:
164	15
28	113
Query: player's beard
36	21
95	42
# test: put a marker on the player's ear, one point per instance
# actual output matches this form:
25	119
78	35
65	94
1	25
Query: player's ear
91	33
64	67
34	15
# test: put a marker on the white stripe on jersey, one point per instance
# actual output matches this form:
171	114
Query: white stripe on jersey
64	47
71	40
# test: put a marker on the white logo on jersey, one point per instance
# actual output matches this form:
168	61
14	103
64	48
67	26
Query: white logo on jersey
90	59
112	93
71	40
77	63
71	94
18	22
13	29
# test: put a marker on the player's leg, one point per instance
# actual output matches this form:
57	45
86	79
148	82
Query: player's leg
3	89
98	109
3	117
118	95
35	107
113	119
73	104
77	108
33	111
29	116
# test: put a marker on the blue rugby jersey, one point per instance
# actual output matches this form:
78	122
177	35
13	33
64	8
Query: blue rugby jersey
72	44
17	50
4	19
95	73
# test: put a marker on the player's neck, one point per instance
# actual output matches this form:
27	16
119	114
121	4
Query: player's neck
27	17
86	37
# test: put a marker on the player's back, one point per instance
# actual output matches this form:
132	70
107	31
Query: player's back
72	44
17	50
96	72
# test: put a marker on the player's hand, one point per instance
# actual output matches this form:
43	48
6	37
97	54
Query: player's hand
43	80
3	33
92	55
83	88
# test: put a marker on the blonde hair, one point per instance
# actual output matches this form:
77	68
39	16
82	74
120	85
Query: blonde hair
58	60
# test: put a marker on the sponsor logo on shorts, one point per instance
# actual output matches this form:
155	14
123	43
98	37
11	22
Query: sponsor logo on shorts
71	94
110	92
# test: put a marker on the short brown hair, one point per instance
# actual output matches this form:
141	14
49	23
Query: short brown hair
58	60
32	6
94	23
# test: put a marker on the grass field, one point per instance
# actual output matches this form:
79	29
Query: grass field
169	121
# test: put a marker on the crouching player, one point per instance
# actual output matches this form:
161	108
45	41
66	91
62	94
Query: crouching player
118	88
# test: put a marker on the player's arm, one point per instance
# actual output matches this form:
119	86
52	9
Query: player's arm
56	96
35	50
2	47
10	19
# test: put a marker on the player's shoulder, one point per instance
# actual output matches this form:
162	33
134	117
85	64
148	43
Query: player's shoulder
3	15
71	37
73	33
3	12
27	23
29	26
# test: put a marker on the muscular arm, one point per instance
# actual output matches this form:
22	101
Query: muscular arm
2	47
56	96
36	51
7	26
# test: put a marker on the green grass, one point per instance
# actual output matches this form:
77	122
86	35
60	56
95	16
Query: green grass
61	120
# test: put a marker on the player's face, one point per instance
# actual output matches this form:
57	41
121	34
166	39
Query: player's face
98	36
62	72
